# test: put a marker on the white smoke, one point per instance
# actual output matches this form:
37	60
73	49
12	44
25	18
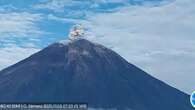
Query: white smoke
76	31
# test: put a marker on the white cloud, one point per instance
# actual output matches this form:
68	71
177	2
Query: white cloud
19	24
59	5
6	8
159	40
12	54
60	19
109	1
55	5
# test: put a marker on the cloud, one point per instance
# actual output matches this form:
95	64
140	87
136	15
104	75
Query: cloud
7	8
62	19
19	24
55	5
12	54
15	26
158	39
62	5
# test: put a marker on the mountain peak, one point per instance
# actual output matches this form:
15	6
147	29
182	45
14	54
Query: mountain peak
68	42
78	47
78	41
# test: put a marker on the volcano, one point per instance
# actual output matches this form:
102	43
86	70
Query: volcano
82	71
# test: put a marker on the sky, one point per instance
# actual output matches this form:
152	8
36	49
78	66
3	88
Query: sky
158	36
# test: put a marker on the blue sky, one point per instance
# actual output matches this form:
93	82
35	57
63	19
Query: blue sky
155	35
41	17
